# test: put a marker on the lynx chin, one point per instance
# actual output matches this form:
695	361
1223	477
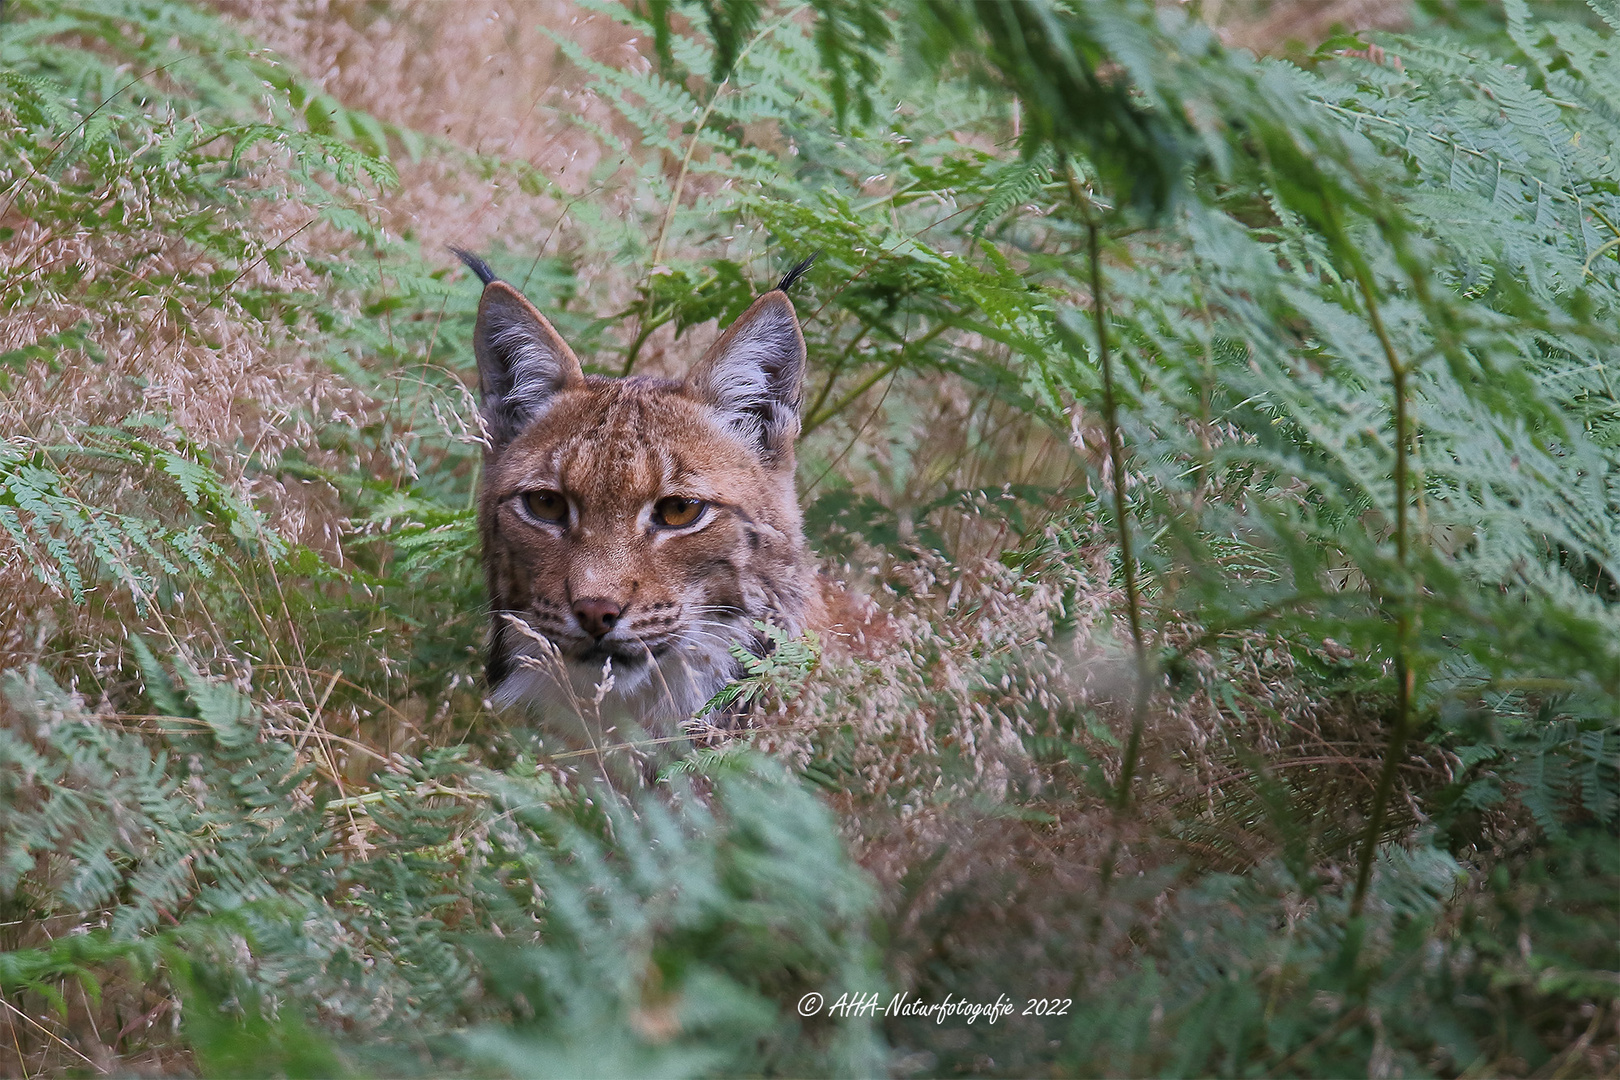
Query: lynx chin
637	526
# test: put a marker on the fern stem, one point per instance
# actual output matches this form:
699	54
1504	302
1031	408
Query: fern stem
680	184
837	369
686	164
816	419
646	331
1406	616
1116	457
697	133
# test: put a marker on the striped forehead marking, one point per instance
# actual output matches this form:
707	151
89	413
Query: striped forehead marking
611	455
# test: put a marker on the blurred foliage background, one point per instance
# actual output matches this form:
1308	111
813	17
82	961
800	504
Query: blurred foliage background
1231	445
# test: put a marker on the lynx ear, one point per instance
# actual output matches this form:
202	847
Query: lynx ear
754	376
522	361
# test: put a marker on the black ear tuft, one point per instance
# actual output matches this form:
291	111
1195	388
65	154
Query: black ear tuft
754	377
522	362
798	271
475	264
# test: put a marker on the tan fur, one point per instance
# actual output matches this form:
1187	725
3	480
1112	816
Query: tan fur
614	448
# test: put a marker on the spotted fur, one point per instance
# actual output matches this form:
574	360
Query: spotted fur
610	588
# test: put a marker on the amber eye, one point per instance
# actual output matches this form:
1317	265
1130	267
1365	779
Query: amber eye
676	511
546	505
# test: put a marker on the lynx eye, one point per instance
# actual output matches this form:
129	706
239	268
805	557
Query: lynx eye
546	505
677	511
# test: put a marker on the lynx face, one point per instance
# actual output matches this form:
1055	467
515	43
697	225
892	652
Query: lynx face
638	525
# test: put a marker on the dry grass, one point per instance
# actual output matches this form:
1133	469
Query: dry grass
1274	26
485	78
200	363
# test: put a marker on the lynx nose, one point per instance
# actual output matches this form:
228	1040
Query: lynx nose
596	615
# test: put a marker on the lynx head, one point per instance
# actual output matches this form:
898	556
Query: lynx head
637	525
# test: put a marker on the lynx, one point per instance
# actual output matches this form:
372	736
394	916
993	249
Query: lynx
637	527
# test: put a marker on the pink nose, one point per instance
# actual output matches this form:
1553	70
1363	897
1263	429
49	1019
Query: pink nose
596	615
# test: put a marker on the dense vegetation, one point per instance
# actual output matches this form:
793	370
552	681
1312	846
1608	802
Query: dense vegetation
1232	446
